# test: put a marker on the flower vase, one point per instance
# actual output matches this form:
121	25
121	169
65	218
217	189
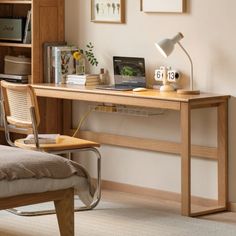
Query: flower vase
80	66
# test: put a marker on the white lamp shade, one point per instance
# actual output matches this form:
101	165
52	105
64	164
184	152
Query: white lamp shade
166	46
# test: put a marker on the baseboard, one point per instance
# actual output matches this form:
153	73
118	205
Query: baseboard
232	206
165	195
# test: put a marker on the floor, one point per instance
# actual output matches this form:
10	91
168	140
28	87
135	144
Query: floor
121	214
154	202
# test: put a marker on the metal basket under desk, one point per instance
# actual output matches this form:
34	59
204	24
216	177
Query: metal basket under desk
126	110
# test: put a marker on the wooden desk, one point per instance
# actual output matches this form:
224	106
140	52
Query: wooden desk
154	99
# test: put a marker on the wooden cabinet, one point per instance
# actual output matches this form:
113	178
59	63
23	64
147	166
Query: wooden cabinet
47	25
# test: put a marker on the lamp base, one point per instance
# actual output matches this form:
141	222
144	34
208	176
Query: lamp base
166	88
188	92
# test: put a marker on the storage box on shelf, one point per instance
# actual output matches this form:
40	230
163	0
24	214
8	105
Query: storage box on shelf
42	12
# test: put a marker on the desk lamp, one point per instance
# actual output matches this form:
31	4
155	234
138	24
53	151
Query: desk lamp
166	47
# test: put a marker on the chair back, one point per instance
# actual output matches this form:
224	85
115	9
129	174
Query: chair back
20	105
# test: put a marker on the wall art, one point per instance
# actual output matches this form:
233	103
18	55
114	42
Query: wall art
108	11
177	6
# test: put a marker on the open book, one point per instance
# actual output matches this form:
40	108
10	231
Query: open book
43	139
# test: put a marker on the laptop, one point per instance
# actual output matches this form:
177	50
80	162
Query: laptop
129	73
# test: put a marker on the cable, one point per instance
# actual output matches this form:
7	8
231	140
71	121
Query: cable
82	119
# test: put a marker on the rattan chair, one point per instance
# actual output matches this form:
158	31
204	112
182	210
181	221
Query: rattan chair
20	111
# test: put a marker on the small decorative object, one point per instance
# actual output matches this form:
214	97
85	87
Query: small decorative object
103	76
168	77
108	11
166	46
177	6
80	60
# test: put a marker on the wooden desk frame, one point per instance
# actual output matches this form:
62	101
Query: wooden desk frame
154	99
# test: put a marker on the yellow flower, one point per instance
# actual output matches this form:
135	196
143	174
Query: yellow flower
77	55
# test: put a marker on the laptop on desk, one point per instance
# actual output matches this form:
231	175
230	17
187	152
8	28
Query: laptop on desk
129	73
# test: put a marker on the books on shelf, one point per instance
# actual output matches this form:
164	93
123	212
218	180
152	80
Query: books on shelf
87	79
22	79
48	66
27	31
43	139
63	62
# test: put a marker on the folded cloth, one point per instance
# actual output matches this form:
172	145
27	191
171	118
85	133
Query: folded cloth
16	164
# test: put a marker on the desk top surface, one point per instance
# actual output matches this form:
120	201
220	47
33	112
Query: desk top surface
148	94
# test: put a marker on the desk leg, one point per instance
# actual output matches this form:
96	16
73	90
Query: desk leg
222	137
185	119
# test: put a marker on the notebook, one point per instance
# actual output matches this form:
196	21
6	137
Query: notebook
129	73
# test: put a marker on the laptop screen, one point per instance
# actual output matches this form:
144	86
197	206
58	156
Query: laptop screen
129	71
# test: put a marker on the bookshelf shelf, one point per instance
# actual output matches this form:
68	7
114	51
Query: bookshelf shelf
16	2
19	45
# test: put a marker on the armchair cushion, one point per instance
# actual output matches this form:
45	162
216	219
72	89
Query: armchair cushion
24	171
16	163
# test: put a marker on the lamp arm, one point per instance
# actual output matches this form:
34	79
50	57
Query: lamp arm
191	65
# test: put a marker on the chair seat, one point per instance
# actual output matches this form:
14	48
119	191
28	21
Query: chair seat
64	142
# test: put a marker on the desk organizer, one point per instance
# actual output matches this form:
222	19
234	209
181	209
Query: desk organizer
126	110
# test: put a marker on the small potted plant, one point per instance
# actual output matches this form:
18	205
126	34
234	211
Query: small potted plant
80	57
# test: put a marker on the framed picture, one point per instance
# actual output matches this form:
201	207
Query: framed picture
177	6
108	11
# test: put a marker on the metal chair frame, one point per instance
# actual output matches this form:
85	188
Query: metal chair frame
60	152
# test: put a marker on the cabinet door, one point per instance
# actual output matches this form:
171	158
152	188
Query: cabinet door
48	26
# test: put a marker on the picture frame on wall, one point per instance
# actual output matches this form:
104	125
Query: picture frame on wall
168	6
108	11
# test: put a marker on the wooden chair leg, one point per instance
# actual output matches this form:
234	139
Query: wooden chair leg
65	213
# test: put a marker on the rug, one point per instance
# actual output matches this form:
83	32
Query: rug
116	220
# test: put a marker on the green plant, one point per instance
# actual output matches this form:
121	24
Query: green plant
89	54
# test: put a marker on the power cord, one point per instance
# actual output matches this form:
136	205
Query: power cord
82	119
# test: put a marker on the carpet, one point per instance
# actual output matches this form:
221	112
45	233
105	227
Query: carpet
116	220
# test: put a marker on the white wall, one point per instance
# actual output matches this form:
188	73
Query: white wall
208	27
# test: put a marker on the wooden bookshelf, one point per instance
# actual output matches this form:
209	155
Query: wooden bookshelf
47	25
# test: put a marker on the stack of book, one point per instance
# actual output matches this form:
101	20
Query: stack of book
43	139
86	80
